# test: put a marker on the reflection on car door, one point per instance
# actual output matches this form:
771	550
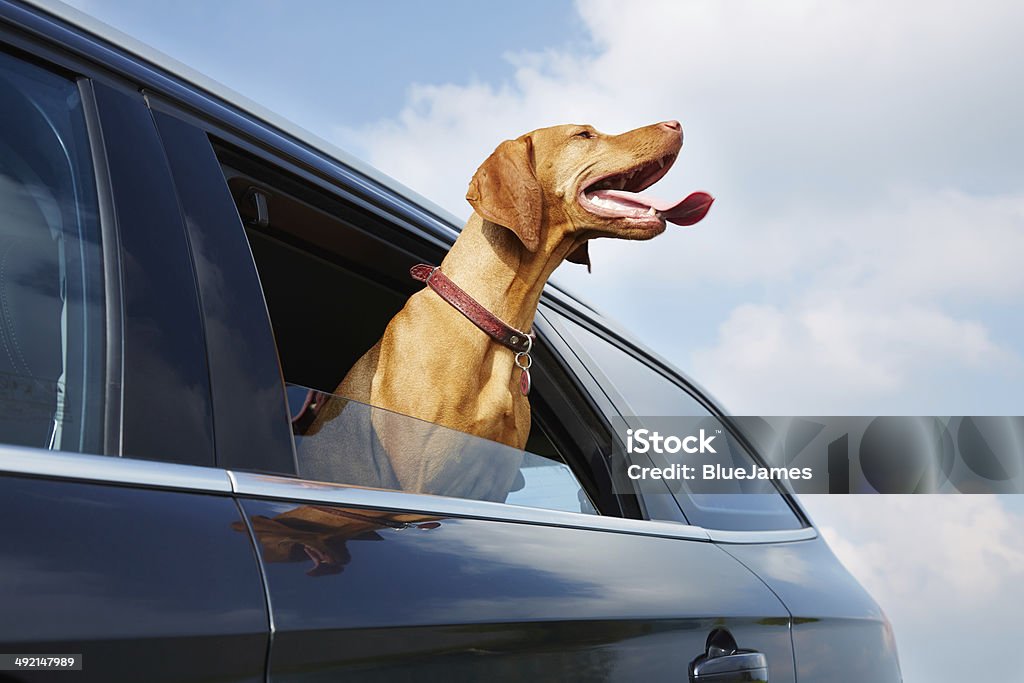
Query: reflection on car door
360	591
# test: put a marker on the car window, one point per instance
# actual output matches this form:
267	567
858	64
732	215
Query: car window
333	277
51	287
645	394
644	390
348	442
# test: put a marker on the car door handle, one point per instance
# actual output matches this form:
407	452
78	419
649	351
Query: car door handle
745	666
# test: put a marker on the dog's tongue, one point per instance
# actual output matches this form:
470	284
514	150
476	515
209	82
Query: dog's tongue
687	212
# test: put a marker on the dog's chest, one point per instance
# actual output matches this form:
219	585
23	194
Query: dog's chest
501	410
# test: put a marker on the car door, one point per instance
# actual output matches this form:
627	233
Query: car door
114	551
835	622
376	584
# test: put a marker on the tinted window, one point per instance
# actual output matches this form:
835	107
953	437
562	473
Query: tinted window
51	297
644	392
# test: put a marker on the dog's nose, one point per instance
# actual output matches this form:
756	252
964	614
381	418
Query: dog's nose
673	126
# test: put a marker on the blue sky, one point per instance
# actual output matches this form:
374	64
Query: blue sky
322	63
860	256
864	254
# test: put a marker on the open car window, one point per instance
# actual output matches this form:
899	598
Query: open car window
333	275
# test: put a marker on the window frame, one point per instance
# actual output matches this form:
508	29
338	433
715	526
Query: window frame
617	406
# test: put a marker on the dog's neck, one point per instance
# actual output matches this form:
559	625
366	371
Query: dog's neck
491	264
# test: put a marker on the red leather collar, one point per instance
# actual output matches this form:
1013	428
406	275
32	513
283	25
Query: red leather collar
496	329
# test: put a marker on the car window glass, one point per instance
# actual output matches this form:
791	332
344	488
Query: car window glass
646	393
348	442
51	296
644	390
333	277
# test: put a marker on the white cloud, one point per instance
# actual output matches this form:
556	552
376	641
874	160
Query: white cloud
869	322
963	551
832	357
947	570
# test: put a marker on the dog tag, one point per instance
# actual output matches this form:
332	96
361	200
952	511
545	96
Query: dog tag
523	362
524	382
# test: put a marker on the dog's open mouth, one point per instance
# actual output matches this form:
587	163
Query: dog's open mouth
618	196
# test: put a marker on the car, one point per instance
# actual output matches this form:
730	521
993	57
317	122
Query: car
180	273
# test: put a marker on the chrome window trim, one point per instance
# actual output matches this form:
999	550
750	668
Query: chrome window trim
103	469
267	486
753	537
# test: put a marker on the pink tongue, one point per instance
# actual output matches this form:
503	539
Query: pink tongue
686	212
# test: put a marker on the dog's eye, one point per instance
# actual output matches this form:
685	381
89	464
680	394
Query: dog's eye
585	134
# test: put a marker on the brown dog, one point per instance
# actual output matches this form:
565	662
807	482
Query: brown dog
537	201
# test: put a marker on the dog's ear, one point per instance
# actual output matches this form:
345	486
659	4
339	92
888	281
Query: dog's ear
505	190
580	255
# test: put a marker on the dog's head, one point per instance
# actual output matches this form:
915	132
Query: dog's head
573	181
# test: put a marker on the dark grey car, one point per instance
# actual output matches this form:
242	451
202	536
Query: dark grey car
177	271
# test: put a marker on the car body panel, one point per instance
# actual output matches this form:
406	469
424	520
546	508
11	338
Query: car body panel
146	584
839	633
377	593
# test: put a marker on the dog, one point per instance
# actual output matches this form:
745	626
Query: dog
457	354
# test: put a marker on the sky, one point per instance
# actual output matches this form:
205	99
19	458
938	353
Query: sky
863	255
